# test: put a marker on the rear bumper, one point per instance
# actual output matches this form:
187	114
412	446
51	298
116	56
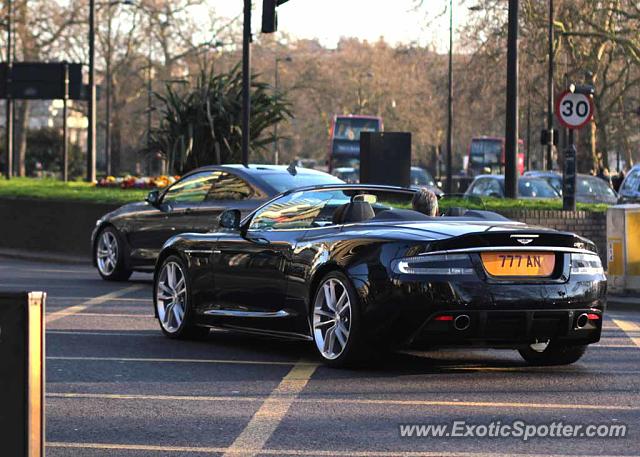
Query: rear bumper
506	328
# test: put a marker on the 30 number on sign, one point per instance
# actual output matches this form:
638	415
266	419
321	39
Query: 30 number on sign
574	110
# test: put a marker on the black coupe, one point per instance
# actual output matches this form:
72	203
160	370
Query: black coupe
130	238
352	269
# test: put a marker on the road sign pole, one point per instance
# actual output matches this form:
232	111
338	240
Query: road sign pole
569	175
65	129
574	109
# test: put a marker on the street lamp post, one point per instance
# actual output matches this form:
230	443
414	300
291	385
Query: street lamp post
91	137
149	84
246	81
449	187
9	106
275	127
550	132
108	85
511	124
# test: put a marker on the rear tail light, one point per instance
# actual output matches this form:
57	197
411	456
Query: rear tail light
593	317
443	318
586	264
439	264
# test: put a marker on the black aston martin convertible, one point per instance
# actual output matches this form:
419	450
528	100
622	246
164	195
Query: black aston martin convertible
353	269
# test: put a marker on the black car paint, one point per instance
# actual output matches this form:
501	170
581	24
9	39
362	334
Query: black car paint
144	227
266	281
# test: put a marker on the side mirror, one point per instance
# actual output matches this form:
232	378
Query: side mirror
230	219
153	198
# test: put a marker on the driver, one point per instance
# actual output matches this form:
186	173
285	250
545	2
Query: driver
425	201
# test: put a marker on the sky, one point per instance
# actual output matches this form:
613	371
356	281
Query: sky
329	20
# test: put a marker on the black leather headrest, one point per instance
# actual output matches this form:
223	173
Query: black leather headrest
456	211
356	211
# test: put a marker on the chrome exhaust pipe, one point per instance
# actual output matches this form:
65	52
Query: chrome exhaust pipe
582	321
462	322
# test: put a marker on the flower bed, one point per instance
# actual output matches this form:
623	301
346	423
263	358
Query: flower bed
133	182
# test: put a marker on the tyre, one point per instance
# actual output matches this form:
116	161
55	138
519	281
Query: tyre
172	300
109	256
552	353
337	323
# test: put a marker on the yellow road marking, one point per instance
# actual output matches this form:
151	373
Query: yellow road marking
155	360
629	328
289	452
265	421
76	309
352	401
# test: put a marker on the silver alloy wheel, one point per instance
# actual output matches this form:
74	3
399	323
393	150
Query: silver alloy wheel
171	296
331	318
107	253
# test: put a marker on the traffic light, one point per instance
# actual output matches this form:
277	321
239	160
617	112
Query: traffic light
270	15
545	137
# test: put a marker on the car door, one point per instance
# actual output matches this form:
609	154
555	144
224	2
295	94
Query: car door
227	191
250	268
175	213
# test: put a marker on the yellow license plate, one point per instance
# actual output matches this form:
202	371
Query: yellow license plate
533	264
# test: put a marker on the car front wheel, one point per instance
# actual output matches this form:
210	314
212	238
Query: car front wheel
551	353
336	321
109	256
172	297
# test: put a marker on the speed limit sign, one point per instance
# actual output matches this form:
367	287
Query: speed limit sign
574	110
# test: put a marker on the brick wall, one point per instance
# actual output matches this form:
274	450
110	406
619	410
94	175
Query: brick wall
592	226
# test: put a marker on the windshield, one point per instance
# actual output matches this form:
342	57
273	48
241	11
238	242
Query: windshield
486	152
536	188
421	177
594	187
347	128
284	181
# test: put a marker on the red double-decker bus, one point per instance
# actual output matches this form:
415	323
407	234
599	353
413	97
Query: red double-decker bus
487	156
344	139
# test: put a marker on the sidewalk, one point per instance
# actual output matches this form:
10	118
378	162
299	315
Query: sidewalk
50	257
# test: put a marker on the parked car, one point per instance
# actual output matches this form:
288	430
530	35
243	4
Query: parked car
493	186
130	238
422	178
630	187
589	189
347	268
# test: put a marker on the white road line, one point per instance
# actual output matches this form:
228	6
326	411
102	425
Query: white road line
83	333
158	360
265	421
220	398
292	452
67	313
75	309
631	329
60	298
344	401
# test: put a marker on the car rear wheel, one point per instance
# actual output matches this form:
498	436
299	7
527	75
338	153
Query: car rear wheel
551	353
336	321
173	301
109	256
